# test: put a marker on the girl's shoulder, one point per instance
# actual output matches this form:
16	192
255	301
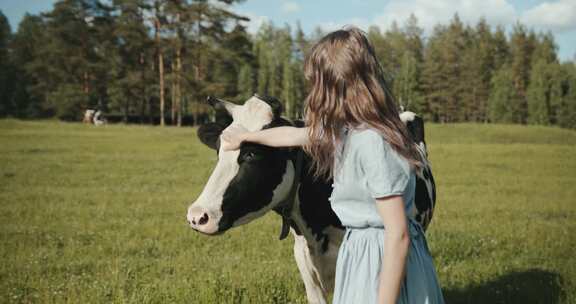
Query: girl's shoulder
367	137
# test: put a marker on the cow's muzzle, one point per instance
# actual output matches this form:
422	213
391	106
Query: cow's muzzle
201	220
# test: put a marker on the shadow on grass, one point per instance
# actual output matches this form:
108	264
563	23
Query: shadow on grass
526	287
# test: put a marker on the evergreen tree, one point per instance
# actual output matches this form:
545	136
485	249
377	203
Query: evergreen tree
538	94
457	108
479	64
545	48
131	61
413	35
236	64
72	57
302	44
26	45
395	46
301	50
262	46
443	72
274	49
299	90
544	94
377	39
142	57
504	103
281	60
521	47
6	68
246	83
289	89
500	48
434	79
317	34
566	113
406	89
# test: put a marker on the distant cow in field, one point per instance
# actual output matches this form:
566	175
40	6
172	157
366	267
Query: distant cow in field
93	117
88	115
247	183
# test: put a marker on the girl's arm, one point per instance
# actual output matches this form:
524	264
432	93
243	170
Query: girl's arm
283	136
396	242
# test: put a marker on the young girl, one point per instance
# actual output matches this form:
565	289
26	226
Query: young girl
354	134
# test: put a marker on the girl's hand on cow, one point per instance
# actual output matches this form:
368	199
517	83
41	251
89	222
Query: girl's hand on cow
232	137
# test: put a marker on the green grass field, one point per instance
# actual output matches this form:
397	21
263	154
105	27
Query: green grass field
97	215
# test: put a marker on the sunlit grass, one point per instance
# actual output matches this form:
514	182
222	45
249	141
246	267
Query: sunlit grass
97	215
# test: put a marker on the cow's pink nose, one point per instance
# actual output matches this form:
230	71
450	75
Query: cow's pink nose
197	217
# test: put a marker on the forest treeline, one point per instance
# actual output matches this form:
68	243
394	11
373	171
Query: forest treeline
159	59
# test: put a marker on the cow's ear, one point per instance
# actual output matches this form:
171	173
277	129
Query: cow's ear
222	117
275	104
209	134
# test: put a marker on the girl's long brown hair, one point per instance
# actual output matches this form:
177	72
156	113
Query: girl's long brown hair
348	89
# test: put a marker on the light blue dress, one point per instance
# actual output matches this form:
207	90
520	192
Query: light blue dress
370	168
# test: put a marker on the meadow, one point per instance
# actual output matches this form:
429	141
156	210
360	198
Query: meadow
97	215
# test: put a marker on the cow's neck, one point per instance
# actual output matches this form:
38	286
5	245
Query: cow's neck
311	214
285	206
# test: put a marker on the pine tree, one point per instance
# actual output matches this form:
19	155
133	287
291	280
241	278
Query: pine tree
380	47
545	48
246	83
274	48
504	103
131	62
27	42
406	88
501	50
300	88
407	83
538	94
301	50
457	39
289	89
566	113
443	72
479	64
281	60
521	47
434	78
90	53
395	46
544	89
413	33
302	44
69	65
6	68
262	45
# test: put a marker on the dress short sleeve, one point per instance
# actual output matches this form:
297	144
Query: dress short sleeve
386	172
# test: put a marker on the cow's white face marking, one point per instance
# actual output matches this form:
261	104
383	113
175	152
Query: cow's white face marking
205	213
252	115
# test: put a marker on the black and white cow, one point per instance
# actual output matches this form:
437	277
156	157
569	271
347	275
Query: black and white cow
255	179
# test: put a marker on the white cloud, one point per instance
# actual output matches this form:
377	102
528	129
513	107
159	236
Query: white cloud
332	26
255	22
557	16
290	7
430	13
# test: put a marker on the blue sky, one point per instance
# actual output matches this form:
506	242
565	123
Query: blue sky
557	16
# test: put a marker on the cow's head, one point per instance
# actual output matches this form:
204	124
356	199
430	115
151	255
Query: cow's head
248	182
